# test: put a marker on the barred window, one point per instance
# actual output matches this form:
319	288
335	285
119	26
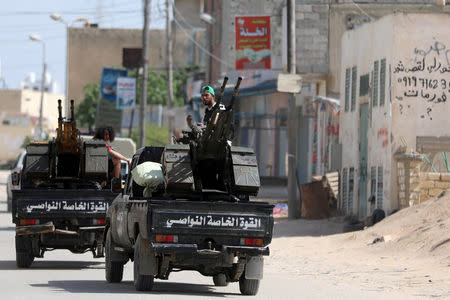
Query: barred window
344	195
375	83
354	75
380	188
382	81
347	88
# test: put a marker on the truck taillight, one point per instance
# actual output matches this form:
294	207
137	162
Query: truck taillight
159	238
15	178
28	221
251	242
99	221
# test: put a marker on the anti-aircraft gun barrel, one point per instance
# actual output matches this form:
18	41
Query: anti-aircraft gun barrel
222	90
72	115
60	118
235	93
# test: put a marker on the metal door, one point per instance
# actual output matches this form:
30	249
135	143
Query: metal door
363	153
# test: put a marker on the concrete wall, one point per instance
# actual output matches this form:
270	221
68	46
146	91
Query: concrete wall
91	49
433	184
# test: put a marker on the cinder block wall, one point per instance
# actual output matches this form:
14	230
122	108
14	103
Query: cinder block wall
432	184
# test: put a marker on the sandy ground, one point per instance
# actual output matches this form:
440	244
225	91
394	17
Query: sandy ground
412	258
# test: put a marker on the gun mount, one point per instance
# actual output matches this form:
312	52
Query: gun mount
67	161
203	161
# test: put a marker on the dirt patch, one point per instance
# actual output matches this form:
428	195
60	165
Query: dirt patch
408	251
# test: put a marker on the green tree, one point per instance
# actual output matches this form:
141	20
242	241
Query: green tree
157	85
85	112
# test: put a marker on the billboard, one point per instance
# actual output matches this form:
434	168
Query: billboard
126	93
252	42
108	87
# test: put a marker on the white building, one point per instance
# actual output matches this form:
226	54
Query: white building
393	98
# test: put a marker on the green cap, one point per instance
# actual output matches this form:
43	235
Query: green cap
208	89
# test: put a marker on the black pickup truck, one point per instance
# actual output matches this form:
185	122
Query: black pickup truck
48	219
64	194
170	232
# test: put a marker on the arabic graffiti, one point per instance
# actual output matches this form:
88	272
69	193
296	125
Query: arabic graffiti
426	78
86	206
243	222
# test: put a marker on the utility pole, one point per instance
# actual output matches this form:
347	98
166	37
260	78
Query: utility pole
142	114
169	70
293	209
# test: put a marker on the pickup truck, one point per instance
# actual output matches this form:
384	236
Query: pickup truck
164	233
63	194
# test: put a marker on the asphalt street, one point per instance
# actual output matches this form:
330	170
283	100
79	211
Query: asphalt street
63	275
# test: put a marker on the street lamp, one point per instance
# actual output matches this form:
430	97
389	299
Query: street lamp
58	18
37	38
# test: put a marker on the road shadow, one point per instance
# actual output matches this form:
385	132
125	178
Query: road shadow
285	227
127	287
53	265
8	228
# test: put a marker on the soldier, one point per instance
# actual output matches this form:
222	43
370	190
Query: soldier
209	100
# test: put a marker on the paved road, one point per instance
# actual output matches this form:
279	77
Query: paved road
63	275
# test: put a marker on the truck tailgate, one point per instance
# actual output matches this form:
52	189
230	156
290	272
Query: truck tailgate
223	220
61	203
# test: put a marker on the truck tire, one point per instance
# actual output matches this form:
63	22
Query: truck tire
248	286
141	282
113	269
220	280
24	252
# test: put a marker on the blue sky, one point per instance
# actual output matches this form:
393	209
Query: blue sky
20	18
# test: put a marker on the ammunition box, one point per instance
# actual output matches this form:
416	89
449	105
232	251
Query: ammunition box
178	171
96	160
37	161
245	170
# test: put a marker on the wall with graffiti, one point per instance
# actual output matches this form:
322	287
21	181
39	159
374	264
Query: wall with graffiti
421	77
402	69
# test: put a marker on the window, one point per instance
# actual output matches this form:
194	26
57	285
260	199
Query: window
347	88
380	188
375	84
344	195
351	176
364	85
353	88
382	81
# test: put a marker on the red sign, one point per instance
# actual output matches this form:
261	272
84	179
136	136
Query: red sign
252	42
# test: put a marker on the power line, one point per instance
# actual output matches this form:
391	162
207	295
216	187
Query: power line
200	46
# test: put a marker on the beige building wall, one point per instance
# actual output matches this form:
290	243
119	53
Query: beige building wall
91	49
417	52
19	117
343	15
11	139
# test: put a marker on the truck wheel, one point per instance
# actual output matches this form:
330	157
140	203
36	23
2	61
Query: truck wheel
248	286
141	282
24	252
220	280
113	269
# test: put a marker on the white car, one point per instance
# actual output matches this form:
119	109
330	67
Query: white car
13	181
